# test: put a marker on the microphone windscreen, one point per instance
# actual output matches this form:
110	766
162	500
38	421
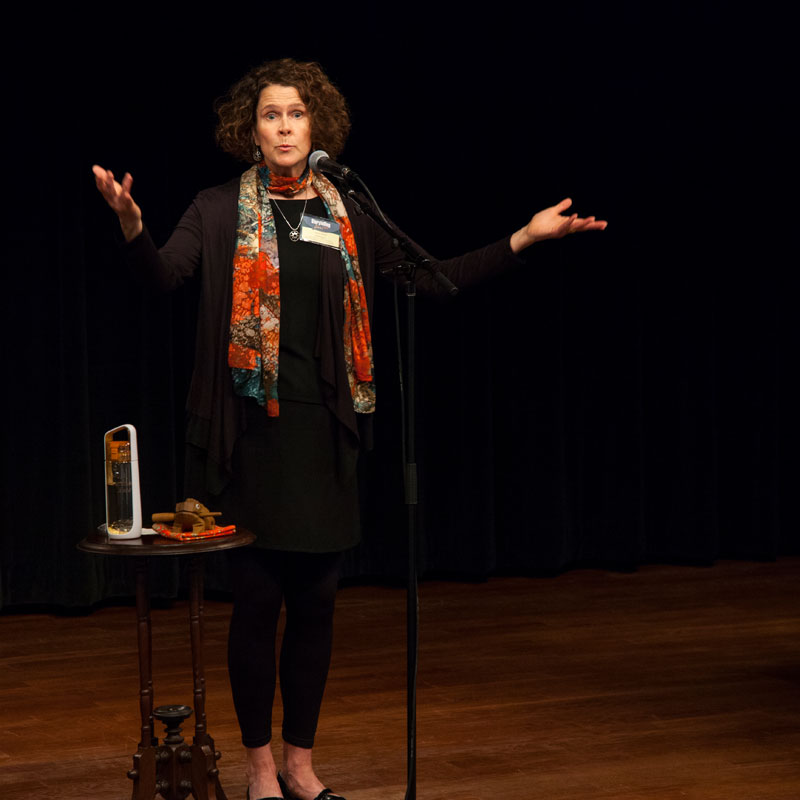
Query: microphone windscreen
314	159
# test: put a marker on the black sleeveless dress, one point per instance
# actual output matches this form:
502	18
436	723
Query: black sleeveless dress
294	476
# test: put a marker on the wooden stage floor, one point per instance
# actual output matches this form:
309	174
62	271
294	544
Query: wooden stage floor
670	682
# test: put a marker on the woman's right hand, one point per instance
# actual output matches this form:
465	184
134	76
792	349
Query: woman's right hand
118	197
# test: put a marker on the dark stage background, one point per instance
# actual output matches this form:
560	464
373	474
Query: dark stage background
624	397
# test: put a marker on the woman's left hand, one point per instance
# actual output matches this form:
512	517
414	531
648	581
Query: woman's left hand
551	223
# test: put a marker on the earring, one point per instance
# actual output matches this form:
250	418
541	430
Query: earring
257	156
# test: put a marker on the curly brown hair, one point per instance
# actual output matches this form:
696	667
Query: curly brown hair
330	119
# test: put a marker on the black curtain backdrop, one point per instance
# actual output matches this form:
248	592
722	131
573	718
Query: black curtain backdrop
623	397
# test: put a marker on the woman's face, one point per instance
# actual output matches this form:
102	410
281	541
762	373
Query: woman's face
282	130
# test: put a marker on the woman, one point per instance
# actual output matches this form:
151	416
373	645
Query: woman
282	390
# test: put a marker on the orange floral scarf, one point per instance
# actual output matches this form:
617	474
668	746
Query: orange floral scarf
256	310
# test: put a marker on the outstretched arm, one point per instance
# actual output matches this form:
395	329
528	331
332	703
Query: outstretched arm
551	223
118	197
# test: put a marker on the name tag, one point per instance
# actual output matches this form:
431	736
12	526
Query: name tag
320	231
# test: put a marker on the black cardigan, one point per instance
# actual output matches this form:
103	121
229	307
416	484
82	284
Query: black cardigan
205	238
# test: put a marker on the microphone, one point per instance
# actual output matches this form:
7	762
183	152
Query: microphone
320	161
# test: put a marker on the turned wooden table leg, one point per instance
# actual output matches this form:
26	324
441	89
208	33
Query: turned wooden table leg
196	631
205	775
143	773
145	654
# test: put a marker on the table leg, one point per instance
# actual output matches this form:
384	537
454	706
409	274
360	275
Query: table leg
145	654
144	769
196	631
205	775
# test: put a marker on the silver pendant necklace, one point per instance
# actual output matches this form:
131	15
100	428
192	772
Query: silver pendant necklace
294	231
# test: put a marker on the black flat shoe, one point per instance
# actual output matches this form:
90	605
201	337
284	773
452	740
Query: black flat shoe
325	794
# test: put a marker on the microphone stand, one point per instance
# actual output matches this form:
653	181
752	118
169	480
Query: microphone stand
417	259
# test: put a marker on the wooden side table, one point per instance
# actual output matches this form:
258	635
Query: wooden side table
173	768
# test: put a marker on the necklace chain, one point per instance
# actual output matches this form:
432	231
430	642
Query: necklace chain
294	230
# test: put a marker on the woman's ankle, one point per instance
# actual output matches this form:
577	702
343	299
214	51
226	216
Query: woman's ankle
297	770
260	765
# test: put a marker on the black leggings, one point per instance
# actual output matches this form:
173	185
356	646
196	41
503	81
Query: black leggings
263	579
